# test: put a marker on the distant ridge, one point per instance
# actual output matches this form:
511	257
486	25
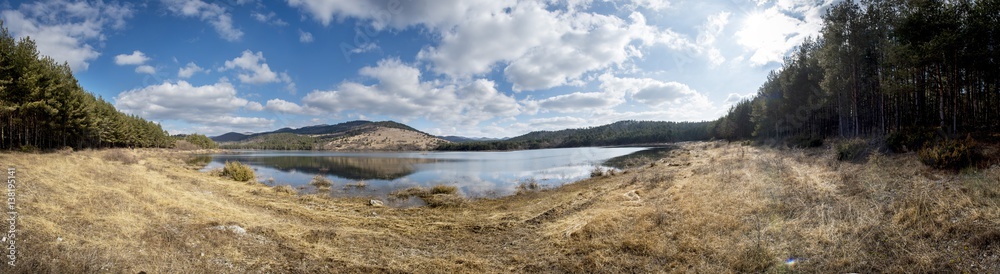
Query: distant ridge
614	134
460	139
353	135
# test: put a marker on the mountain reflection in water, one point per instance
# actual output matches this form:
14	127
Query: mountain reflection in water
376	174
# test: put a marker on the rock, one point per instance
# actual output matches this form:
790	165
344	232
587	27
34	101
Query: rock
376	203
234	228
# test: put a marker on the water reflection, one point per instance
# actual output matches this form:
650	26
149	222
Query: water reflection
476	174
346	167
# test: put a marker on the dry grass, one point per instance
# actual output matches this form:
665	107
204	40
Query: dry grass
720	209
435	197
120	155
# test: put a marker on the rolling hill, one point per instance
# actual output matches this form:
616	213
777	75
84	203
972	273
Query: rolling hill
347	136
614	134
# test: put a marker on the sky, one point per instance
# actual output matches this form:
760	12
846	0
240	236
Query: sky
476	68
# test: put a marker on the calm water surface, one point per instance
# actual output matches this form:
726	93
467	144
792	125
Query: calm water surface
476	174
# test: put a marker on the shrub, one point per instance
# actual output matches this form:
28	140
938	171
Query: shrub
443	189
287	189
184	145
805	141
909	139
437	196
406	193
949	154
238	171
320	181
596	172
528	186
853	150
28	148
121	156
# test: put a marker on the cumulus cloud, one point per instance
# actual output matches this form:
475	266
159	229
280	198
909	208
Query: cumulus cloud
401	94
135	58
435	14
213	105
253	70
708	33
269	18
561	122
214	14
189	70
64	30
305	37
656	93
656	5
282	106
580	101
147	69
769	34
537	47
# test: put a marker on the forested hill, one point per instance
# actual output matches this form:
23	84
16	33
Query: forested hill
909	70
353	135
322	130
618	133
43	107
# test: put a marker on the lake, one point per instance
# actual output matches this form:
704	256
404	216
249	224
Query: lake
476	174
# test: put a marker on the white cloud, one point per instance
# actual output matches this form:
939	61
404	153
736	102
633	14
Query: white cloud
660	93
536	44
562	122
435	14
580	101
708	33
734	98
656	93
135	58
214	14
282	106
253	106
266	18
656	5
769	34
253	70
189	70
65	31
400	93
305	37
147	69
213	105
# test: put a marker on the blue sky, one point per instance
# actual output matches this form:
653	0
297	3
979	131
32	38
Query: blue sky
448	67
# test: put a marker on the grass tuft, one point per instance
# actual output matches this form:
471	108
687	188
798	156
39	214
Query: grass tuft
286	189
320	181
120	155
436	196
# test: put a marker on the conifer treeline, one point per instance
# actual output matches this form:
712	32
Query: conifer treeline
42	106
880	67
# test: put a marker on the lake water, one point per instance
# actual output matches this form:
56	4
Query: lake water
476	174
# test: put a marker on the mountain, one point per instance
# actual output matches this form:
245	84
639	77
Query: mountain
347	136
460	139
614	134
230	137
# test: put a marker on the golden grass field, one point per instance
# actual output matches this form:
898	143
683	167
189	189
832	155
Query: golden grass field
706	208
